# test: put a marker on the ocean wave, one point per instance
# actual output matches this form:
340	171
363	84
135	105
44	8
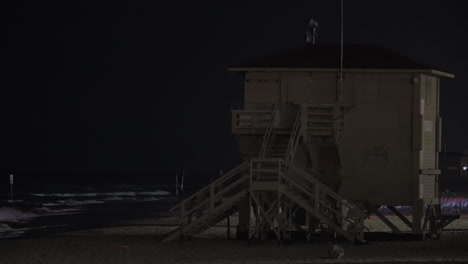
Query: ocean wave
59	211
65	194
10	214
96	194
154	193
77	202
51	204
6	231
118	198
13	201
150	199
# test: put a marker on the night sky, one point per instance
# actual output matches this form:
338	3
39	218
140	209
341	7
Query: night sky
131	92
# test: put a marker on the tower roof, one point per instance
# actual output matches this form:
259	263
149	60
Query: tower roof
328	57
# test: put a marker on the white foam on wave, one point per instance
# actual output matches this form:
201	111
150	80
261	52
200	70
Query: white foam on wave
119	194
76	202
51	204
154	193
151	199
6	231
9	214
95	194
13	201
65	194
118	198
60	211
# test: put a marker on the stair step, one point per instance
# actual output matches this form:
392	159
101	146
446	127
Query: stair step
305	204
265	170
320	121
209	218
282	130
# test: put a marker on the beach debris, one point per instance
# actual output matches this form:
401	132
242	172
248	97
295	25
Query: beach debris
335	251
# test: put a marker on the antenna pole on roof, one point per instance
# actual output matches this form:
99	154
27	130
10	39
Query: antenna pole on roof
340	85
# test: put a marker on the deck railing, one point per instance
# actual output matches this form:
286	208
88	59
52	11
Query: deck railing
253	121
321	120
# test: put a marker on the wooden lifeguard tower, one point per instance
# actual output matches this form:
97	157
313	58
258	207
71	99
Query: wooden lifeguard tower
318	152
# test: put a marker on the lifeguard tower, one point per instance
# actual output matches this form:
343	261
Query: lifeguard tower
320	153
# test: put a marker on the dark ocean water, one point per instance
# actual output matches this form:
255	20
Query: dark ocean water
38	210
43	209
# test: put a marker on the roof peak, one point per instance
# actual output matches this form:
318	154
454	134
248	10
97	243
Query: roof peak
356	56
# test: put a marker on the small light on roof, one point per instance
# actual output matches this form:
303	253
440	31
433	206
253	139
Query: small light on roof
465	168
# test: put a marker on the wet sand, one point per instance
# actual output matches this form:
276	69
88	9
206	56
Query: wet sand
138	241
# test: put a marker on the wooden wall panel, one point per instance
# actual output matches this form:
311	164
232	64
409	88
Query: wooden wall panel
376	148
261	90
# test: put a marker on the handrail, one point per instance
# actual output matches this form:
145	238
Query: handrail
356	220
309	193
268	132
294	140
299	186
323	187
315	196
288	166
205	205
215	183
210	194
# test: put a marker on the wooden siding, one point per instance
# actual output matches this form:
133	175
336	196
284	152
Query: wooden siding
376	141
261	90
429	94
389	135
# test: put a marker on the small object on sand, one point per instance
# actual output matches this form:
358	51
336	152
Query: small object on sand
335	251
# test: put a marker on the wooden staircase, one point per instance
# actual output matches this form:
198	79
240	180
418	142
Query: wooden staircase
279	144
296	188
209	205
276	188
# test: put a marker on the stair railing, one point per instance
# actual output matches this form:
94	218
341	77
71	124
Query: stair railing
337	124
294	139
208	198
303	180
268	133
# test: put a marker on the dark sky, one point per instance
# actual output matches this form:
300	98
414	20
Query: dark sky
128	91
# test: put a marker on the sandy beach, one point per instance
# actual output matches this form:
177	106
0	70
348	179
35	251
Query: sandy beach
138	241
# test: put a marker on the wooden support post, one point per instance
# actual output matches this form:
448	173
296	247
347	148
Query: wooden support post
304	124
279	219
228	226
182	216
426	219
417	156
211	197
317	199
401	216
419	217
